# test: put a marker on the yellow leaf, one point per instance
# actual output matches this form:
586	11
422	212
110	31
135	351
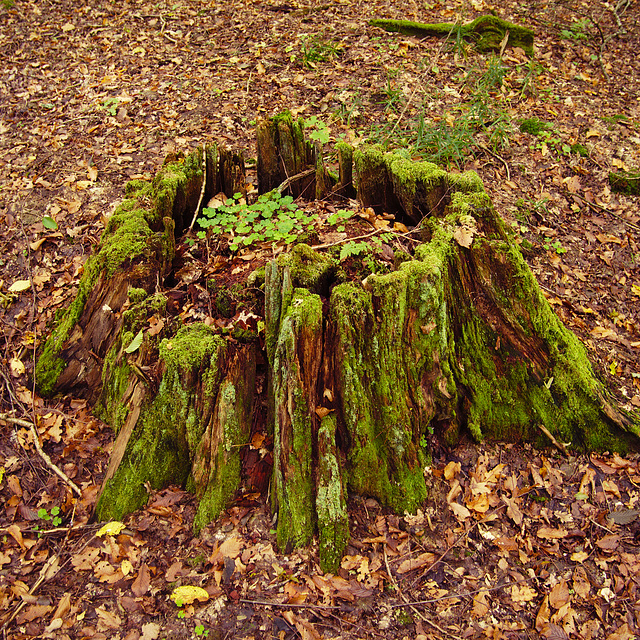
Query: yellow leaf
19	286
110	529
188	594
17	367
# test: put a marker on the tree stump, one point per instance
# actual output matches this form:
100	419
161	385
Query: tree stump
360	374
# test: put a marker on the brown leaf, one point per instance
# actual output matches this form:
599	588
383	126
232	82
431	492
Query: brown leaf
480	605
512	509
140	585
608	543
64	606
422	560
559	595
108	619
554	632
543	615
32	612
551	533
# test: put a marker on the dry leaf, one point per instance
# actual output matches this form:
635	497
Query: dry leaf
19	286
140	585
543	615
480	605
231	547
464	236
523	593
188	594
420	561
551	533
108	619
559	595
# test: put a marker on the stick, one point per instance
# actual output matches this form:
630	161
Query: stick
555	443
204	184
291	179
43	455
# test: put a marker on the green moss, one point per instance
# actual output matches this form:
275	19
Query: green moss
534	126
297	348
171	424
331	506
625	182
137	295
486	31
375	381
308	268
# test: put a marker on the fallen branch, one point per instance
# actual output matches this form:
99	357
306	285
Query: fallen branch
41	452
291	179
204	184
558	445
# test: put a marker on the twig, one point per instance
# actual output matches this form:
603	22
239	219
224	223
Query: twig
291	179
41	452
204	184
600	207
557	444
460	595
495	155
288	605
326	245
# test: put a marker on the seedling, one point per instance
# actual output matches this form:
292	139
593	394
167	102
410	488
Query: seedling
52	516
577	30
315	49
200	631
319	131
111	105
272	218
342	215
554	245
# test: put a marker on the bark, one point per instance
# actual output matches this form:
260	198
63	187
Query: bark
361	374
625	182
487	32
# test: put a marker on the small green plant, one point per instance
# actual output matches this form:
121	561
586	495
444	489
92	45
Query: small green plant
530	81
339	217
578	30
272	218
8	4
52	516
554	245
392	94
314	49
200	631
353	248
111	105
319	131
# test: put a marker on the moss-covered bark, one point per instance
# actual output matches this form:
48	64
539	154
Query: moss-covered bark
283	153
625	182
457	339
487	32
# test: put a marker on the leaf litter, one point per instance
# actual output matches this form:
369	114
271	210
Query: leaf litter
513	541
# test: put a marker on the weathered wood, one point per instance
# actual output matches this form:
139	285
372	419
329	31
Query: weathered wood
283	152
625	182
487	32
458	339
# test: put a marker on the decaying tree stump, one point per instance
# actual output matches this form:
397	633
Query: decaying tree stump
457	339
486	32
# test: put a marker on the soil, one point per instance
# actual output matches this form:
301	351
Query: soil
515	542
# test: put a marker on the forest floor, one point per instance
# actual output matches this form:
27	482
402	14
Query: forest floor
514	542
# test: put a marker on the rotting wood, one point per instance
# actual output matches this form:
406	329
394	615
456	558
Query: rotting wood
457	339
486	32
